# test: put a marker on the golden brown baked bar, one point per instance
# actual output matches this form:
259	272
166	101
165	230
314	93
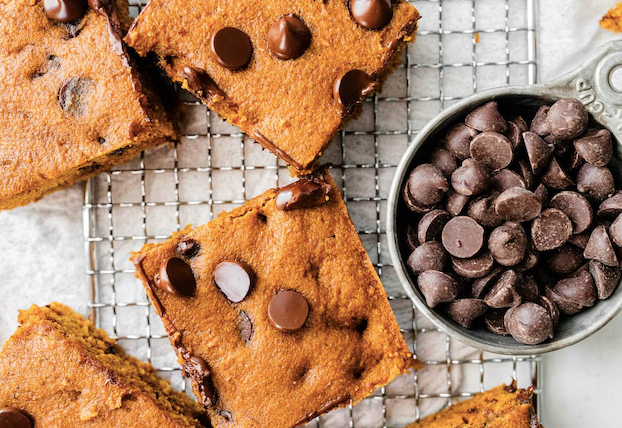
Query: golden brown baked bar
287	105
276	314
502	407
58	370
72	103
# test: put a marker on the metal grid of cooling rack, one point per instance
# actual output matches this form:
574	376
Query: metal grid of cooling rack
462	46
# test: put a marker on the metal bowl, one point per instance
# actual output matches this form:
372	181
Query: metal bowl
593	84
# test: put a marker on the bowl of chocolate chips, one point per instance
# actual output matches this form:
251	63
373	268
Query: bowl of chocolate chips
505	215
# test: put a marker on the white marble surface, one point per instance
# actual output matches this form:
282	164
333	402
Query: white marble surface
42	252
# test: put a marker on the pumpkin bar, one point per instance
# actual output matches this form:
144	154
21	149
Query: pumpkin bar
287	72
274	309
502	407
72	102
58	370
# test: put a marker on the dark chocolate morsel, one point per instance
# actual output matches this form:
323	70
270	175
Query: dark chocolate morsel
565	259
475	267
444	161
606	278
574	161
580	240
480	286
520	123
504	293
529	323
458	140
352	87
245	324
371	14
288	38
482	210
196	369
188	248
175	277
487	118
288	310
427	184
10	417
234	279
599	247
471	178
539	123
232	48
550	229
531	259
431	225
611	207
65	11
304	193
528	177
595	182
615	230
567	119
595	147
578	289
413	205
506	179
576	207
508	244
543	194
437	287
73	96
465	311
201	83
411	236
560	147
462	237
492	149
518	204
538	152
493	319
565	306
455	202
528	289
551	307
555	177
427	256
515	135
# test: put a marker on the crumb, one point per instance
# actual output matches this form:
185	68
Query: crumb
476	37
612	21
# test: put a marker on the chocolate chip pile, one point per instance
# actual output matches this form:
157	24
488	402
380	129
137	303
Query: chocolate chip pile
515	224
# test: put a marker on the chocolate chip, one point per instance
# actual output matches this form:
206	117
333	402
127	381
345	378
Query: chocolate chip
538	152
515	135
595	147
73	95
529	323
471	178
565	259
481	285
508	244
550	229
51	63
492	150
531	259
504	293
493	319
437	287
611	207
412	204
458	140
539	123
288	38
428	256
10	417
455	202
304	193
246	326
599	247
518	204
528	177
427	184
431	225
475	267
234	279
543	194
555	177
560	147
196	368
371	14
528	289
580	240
188	248
288	311
444	161
482	210
573	294
462	237
595	182
465	311
576	207
506	179
352	87
175	277
575	161
486	118
412	241
567	119
65	10
551	308
606	278
615	230
232	48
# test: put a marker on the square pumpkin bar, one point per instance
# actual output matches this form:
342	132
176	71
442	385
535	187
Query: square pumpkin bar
72	103
58	370
274	309
287	72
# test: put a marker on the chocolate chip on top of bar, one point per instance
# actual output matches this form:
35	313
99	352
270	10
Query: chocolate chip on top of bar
515	221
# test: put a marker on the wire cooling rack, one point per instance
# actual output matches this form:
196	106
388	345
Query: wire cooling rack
462	46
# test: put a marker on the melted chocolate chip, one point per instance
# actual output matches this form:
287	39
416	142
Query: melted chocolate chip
232	48
371	14
65	10
201	83
196	369
288	311
304	193
176	278
11	417
73	95
234	279
352	87
288	38
188	248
